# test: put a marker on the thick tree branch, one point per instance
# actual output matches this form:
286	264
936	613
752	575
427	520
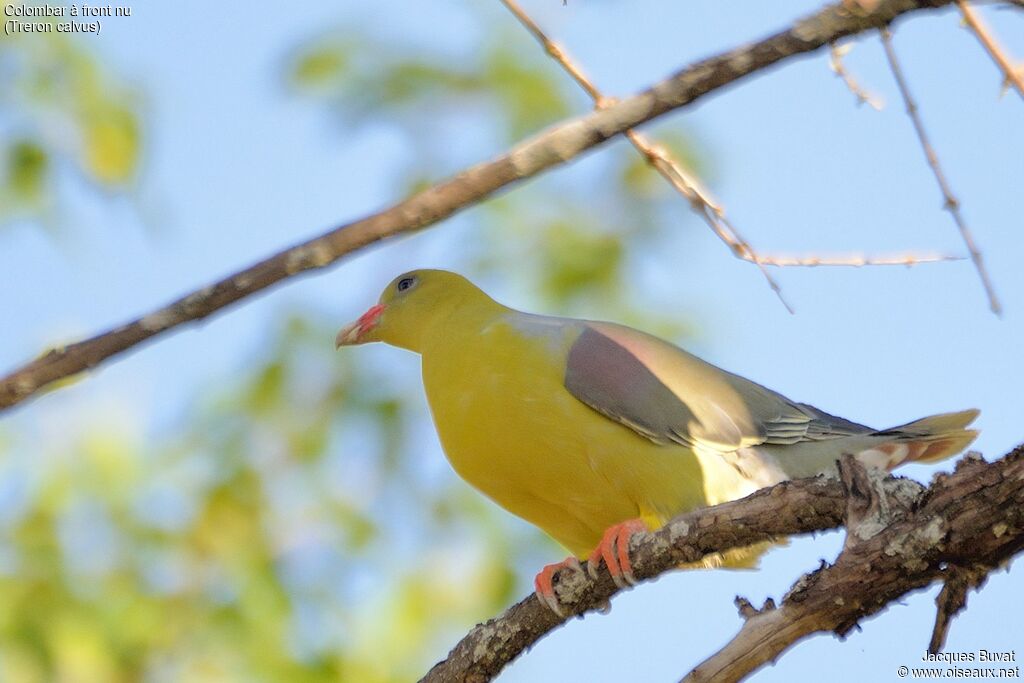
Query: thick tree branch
972	518
551	148
788	508
901	537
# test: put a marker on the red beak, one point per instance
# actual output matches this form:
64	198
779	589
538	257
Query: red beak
353	332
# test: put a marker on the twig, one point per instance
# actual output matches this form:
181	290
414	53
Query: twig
951	204
856	260
1011	73
952	599
548	149
835	62
722	227
711	212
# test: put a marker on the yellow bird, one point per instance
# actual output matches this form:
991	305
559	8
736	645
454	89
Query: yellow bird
593	431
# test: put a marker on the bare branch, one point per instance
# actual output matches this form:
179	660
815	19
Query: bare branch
901	537
690	187
951	203
657	156
546	150
856	260
726	231
952	599
835	62
555	51
1011	72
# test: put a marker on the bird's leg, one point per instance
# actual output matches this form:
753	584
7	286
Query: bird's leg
614	550
544	587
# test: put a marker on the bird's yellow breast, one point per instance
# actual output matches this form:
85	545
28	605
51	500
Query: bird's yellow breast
511	429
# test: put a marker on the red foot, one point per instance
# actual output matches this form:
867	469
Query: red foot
544	587
614	550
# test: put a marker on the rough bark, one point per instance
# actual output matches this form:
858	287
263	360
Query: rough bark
550	148
901	537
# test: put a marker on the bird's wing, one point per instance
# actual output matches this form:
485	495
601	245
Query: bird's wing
669	395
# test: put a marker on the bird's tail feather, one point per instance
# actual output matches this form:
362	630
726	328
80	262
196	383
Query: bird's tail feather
929	439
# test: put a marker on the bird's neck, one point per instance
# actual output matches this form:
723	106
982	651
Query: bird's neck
451	324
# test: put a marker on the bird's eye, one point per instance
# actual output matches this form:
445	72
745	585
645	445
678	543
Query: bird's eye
405	283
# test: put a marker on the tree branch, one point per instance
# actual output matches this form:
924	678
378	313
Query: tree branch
950	202
1013	75
789	508
901	537
952	600
550	148
835	62
973	517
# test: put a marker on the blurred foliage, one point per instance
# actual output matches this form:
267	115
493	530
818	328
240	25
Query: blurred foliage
573	242
258	544
60	112
364	79
300	525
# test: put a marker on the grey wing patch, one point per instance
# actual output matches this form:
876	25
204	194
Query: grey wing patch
611	380
696	404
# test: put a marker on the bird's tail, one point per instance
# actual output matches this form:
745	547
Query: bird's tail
929	439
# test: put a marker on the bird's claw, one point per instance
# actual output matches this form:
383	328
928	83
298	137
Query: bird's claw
543	583
614	550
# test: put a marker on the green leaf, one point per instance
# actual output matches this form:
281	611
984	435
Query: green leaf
321	66
406	82
529	96
111	150
27	168
576	260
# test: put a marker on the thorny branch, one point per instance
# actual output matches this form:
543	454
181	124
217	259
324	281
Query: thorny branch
835	62
543	151
901	538
690	187
951	203
1012	73
657	156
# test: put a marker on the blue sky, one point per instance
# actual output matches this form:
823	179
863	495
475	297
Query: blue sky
237	169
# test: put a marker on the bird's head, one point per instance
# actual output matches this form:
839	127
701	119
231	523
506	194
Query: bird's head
413	304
